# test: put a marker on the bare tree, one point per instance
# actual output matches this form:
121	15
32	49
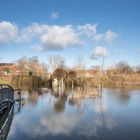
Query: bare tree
56	61
80	63
22	64
123	67
100	54
42	70
33	64
138	68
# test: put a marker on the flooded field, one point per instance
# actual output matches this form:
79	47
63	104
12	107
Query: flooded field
114	115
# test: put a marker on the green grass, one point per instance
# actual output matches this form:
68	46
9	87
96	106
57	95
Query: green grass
5	81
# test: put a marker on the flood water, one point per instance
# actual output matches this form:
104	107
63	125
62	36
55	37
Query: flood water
115	115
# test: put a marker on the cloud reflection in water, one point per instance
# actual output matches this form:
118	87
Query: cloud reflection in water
41	119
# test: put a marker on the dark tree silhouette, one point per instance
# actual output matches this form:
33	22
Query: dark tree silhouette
72	76
123	67
60	74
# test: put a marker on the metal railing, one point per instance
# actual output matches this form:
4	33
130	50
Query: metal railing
6	93
6	86
5	122
6	108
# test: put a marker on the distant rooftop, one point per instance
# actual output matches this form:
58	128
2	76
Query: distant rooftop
7	64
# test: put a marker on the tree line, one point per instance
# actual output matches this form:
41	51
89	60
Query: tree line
57	65
32	66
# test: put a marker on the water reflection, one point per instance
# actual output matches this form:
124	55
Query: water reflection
121	95
53	115
59	105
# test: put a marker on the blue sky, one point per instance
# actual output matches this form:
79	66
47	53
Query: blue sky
70	28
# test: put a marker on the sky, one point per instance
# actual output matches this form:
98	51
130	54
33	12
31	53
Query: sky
87	29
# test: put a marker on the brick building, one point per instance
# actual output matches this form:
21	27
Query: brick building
8	68
86	73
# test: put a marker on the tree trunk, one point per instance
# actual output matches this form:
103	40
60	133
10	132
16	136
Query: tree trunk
72	84
62	83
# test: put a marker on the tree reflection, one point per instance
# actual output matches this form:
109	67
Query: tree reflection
53	116
33	97
59	105
60	102
121	95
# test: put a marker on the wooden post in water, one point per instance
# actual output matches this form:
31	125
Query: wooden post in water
19	93
100	76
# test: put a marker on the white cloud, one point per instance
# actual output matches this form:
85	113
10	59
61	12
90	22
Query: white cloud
54	15
49	122
37	47
87	29
8	32
52	37
34	30
99	51
60	123
59	37
108	36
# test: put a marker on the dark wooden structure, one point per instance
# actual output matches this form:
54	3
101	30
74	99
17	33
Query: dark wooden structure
6	94
6	108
